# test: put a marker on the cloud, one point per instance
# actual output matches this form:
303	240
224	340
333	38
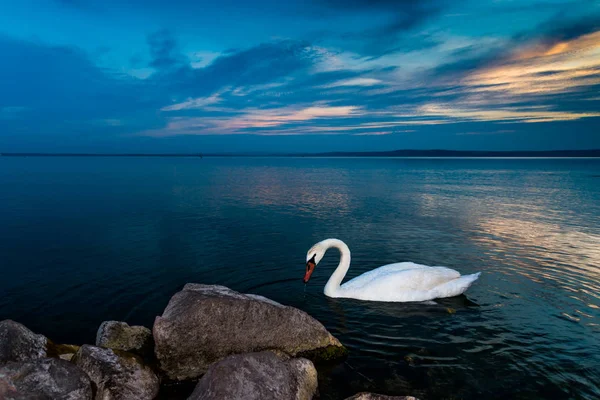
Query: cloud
198	102
503	114
262	118
200	59
365	77
163	50
543	68
255	120
355	82
544	75
259	65
276	90
61	91
544	35
559	29
66	91
392	21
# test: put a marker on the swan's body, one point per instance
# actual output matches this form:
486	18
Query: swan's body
399	282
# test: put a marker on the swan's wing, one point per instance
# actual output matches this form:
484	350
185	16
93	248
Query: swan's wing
423	278
401	276
397	267
376	273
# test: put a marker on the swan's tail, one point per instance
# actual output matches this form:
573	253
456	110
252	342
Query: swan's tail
457	286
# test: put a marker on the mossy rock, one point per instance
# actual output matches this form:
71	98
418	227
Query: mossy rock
324	354
118	335
64	351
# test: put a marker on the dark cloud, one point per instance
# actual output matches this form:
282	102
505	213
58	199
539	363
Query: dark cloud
63	91
404	17
467	60
163	50
261	64
60	90
560	29
32	72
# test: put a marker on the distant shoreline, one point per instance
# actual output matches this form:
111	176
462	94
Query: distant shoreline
593	153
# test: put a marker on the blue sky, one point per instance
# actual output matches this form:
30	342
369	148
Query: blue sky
182	75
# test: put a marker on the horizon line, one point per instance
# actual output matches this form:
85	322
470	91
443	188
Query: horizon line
441	153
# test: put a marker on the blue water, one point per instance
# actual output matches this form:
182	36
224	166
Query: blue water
83	240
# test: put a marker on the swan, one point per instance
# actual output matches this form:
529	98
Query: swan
399	282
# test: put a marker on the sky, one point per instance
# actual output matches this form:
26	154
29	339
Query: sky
298	75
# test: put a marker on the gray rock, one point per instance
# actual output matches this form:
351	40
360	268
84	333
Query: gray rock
258	376
118	335
373	396
117	374
203	324
17	343
46	379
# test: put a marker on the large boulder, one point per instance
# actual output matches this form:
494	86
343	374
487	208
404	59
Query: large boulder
47	378
118	335
17	343
258	376
203	324
118	375
374	396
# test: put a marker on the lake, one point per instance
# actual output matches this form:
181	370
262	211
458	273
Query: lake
83	240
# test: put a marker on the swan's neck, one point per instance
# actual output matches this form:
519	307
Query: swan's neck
333	284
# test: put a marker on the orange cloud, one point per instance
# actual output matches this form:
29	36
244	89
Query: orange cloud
276	117
544	69
255	119
506	114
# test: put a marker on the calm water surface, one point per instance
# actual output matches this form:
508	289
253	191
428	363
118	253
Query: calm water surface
83	240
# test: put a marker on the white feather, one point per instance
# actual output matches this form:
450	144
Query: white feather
399	282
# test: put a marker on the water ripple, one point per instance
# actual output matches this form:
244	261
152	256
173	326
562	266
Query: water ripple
82	241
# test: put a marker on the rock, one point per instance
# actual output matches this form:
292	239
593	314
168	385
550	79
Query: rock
117	374
17	343
120	336
373	396
62	351
44	379
203	324
258	376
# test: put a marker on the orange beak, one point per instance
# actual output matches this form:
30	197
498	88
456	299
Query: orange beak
310	267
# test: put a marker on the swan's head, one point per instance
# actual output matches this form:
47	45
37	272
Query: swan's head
313	257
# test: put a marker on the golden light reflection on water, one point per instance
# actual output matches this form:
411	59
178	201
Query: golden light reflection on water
563	255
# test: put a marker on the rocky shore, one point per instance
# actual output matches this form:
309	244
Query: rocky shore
228	344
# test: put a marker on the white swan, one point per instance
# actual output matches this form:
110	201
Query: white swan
399	282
